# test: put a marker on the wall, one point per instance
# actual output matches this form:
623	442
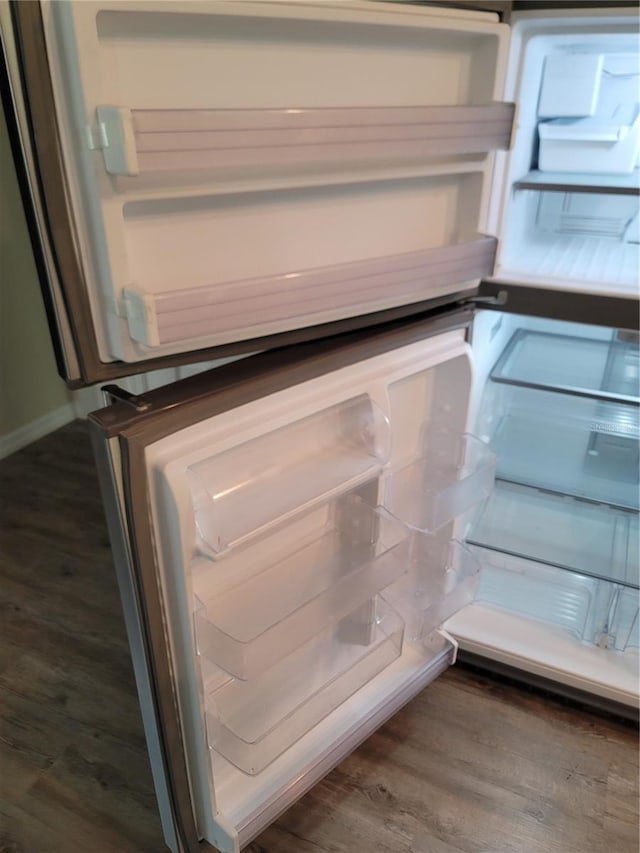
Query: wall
33	399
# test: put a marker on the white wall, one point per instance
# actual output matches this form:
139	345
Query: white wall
33	399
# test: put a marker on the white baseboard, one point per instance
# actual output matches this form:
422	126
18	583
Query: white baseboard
34	430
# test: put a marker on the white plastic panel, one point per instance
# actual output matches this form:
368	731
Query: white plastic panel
547	650
223	211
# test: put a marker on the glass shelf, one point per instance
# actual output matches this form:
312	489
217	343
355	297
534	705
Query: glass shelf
252	722
607	369
577	183
591	539
570	445
343	559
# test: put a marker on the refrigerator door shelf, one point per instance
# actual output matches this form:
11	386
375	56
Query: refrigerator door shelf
247	489
454	474
219	312
442	578
218	224
344	554
148	141
252	722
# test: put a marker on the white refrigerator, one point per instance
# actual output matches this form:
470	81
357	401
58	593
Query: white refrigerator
402	327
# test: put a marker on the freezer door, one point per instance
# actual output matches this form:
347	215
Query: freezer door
287	528
211	178
565	201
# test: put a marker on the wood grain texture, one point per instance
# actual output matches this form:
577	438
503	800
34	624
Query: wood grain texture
472	764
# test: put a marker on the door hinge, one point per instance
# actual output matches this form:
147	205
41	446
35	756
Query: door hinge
116	394
496	301
450	639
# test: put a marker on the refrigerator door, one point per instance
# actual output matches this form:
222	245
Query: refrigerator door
568	239
211	178
285	528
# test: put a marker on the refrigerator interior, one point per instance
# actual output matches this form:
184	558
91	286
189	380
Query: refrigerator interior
558	540
208	128
306	550
569	212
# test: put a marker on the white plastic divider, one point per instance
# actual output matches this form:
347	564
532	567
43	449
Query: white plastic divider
252	722
292	597
454	474
156	319
141	141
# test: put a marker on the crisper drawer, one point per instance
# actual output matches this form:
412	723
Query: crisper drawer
591	609
252	723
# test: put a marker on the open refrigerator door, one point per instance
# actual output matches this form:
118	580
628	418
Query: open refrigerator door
292	529
194	167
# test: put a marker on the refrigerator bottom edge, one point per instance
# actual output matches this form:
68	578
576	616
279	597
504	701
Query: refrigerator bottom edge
250	804
548	652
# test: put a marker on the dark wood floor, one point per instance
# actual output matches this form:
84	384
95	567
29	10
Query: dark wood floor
470	765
